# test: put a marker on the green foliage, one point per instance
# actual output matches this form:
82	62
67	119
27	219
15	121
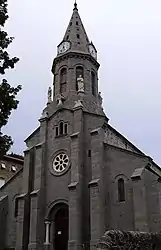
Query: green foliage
7	101
121	240
8	93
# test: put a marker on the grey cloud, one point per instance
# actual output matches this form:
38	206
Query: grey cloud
127	35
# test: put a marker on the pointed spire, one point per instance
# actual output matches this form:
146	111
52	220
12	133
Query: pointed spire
76	33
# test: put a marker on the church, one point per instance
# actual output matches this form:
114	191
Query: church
80	177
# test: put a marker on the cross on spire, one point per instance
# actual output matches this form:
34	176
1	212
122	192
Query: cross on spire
75	5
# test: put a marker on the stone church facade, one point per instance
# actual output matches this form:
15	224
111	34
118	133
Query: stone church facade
80	177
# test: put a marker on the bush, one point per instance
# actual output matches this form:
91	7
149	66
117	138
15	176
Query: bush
119	240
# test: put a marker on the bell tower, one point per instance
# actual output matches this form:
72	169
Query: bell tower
73	111
63	162
75	67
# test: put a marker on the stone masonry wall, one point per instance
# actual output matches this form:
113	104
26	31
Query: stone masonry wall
12	189
118	141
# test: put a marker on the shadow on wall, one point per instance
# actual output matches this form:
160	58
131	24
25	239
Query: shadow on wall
120	240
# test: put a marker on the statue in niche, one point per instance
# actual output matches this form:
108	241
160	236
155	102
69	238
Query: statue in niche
59	100
80	83
49	95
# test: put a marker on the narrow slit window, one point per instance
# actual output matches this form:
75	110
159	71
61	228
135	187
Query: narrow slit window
93	79
16	207
121	190
78	36
57	131
76	22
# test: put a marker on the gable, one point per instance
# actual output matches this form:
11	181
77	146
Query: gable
33	139
116	139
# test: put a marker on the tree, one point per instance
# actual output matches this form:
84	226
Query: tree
8	93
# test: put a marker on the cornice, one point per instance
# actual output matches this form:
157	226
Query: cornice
77	55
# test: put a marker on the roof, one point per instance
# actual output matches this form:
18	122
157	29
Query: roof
32	134
76	34
12	178
125	139
14	158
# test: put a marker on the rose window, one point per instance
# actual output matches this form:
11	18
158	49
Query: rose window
61	162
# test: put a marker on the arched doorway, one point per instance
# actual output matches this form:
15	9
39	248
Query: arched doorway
59	217
61	229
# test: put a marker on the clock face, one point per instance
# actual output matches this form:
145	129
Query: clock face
92	51
63	47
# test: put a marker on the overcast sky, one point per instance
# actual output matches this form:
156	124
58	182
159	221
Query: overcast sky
127	35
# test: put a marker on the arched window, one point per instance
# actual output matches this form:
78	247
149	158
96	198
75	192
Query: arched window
93	82
2	181
79	72
121	190
61	130
63	80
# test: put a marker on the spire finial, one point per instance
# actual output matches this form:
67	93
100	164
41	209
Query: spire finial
75	5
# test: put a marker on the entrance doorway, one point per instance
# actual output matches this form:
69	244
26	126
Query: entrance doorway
61	229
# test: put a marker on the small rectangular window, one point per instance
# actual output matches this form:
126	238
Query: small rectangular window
89	153
3	165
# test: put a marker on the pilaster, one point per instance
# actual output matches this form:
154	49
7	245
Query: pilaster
96	185
34	217
75	187
20	238
37	195
3	220
139	201
26	170
23	217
